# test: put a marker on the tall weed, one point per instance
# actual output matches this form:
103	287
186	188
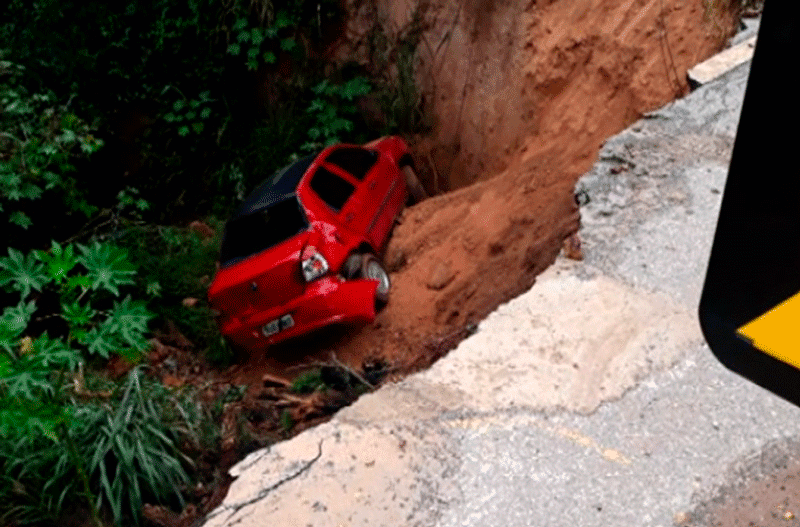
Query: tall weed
129	444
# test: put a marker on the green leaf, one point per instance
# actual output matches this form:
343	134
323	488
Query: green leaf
288	44
75	281
26	384
178	105
170	117
107	265
252	53
283	19
252	64
48	149
191	114
77	314
355	88
183	131
52	180
153	289
81	205
316	106
341	124
90	145
256	37
13	322
128	321
269	57
59	261
67	137
99	342
21	219
234	49
31	191
320	88
240	24
205	113
243	36
5	366
22	273
54	353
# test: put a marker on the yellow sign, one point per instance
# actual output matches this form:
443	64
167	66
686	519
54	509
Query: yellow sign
776	331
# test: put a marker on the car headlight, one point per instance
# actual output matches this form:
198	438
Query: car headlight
314	265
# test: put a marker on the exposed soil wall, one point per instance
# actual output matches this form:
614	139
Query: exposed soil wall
522	94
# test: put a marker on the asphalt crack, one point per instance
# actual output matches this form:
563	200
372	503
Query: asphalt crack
236	507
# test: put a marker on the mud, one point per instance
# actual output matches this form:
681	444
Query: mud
522	94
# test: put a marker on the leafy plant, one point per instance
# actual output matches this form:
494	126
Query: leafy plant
178	264
308	381
189	115
334	110
260	44
40	142
79	282
128	448
132	449
66	314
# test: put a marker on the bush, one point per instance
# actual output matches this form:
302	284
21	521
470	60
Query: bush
67	313
176	264
41	142
127	445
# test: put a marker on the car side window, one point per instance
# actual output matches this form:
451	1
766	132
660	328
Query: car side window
333	190
356	161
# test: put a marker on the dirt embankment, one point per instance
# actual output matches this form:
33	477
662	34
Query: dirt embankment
522	93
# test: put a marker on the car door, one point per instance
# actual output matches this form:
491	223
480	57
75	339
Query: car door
358	165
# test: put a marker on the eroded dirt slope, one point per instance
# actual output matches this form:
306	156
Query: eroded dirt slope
523	93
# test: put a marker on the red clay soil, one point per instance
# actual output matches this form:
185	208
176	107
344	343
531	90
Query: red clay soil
523	94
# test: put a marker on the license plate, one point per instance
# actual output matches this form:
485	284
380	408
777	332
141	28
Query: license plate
279	324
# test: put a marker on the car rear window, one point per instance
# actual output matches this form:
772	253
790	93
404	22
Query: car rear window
356	161
264	228
333	190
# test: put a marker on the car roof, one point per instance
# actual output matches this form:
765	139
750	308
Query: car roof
278	187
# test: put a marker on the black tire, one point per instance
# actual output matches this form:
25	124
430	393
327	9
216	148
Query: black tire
415	189
372	268
352	266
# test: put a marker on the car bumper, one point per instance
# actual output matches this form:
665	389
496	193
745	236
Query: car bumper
326	301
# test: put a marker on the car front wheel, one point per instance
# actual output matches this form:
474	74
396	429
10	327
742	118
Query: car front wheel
372	269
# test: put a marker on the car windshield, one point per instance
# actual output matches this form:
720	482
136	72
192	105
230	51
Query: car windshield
264	228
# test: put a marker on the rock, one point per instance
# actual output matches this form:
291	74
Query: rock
440	277
190	302
572	247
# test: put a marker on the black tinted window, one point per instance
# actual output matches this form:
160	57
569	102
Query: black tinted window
356	161
252	233
333	190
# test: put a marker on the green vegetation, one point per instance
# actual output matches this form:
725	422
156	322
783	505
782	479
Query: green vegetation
69	298
125	122
124	448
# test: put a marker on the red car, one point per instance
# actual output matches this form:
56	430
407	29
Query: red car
301	251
